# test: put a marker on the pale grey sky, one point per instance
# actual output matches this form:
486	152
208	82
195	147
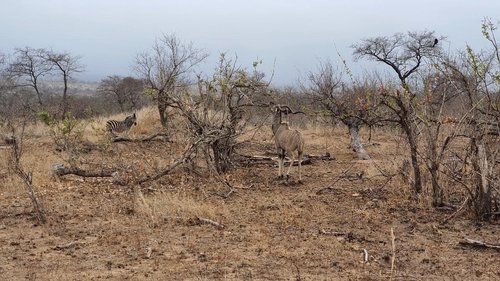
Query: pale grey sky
108	33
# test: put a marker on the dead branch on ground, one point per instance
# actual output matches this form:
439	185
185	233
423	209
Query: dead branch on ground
480	244
393	257
306	160
65	246
366	255
334	233
58	170
232	188
187	155
150	138
329	188
197	220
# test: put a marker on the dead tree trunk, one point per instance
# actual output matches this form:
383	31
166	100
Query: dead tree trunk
412	142
222	149
482	172
357	145
433	161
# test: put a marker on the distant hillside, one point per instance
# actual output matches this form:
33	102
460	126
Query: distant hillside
75	87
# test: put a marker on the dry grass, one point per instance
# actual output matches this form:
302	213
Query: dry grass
273	230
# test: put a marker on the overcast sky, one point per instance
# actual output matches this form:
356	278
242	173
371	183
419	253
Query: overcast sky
109	33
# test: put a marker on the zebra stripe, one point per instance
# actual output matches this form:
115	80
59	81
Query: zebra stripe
121	126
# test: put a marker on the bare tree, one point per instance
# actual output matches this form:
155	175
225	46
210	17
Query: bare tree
126	91
30	66
67	65
475	80
110	88
405	54
17	124
344	102
133	89
218	113
4	78
168	63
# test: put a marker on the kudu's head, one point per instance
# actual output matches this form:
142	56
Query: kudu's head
279	111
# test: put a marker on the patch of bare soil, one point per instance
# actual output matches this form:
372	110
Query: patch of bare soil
348	220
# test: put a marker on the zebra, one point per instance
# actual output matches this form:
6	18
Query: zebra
121	126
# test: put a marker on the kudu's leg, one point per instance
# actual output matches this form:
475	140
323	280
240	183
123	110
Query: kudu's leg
291	164
300	166
281	159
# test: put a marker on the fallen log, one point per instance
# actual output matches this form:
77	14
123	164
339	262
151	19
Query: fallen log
58	169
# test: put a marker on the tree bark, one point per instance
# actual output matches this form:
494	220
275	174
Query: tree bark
161	111
433	167
222	149
413	154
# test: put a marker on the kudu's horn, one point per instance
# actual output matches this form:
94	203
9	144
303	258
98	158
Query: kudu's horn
287	110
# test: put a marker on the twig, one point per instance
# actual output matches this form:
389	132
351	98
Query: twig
149	251
457	212
214	223
72	243
231	186
186	155
196	220
334	233
366	255
393	258
231	190
298	278
328	187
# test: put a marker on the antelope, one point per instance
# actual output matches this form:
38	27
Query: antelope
287	140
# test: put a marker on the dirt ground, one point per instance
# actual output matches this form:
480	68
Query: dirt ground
349	220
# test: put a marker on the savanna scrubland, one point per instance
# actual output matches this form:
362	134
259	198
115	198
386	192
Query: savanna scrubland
399	175
188	226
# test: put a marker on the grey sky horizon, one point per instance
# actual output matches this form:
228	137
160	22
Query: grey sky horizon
291	36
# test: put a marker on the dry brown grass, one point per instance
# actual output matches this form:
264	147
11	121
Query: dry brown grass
273	229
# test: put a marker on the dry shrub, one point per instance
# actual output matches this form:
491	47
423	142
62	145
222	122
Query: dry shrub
10	182
167	207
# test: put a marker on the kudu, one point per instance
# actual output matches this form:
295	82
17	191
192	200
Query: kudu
287	140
